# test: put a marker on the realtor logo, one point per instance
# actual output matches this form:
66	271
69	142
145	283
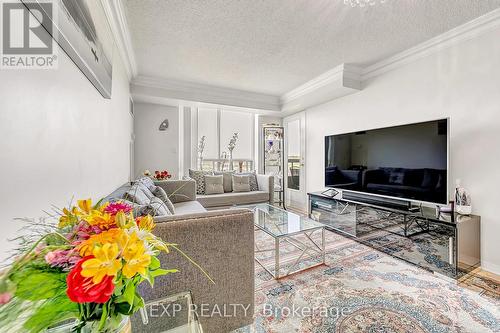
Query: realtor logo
27	30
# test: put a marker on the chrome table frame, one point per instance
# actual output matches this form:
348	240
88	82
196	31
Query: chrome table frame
310	246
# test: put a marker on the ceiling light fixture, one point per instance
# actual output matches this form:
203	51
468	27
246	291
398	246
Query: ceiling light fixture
362	3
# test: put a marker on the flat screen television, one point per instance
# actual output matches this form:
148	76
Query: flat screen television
408	162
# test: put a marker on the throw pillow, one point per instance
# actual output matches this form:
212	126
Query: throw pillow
156	207
241	183
214	184
397	177
146	181
227	180
136	194
254	186
199	178
160	193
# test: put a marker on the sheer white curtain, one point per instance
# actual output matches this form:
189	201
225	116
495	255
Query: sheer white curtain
241	123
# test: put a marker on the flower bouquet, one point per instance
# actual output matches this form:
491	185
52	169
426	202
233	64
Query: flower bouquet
85	269
162	175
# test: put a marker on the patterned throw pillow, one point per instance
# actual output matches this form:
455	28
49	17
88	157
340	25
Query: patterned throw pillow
241	183
146	181
227	180
137	195
254	186
156	207
199	178
214	184
160	193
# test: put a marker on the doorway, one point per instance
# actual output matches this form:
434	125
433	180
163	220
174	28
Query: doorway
295	182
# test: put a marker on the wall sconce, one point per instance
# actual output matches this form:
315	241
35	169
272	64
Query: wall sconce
163	125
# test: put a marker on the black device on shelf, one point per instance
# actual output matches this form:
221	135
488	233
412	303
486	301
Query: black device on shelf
395	165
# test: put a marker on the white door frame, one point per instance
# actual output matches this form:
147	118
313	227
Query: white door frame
296	198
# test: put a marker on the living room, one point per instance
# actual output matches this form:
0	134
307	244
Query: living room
234	144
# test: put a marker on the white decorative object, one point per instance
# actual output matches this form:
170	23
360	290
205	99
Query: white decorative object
462	200
231	146
201	148
362	3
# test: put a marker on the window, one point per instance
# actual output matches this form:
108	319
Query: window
218	126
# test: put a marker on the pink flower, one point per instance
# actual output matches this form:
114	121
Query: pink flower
83	231
115	207
5	298
65	259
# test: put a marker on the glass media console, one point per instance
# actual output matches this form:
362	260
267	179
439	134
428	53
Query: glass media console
445	244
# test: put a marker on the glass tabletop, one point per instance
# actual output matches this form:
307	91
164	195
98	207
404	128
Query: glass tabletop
279	222
171	314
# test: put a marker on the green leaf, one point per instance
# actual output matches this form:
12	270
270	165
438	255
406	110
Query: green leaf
155	263
128	294
51	312
35	284
161	271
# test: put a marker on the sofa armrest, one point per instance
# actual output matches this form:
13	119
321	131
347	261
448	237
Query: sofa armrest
222	242
266	183
179	190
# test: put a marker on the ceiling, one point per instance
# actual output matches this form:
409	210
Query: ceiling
273	46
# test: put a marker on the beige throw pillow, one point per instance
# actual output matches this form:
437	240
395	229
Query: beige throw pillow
214	184
228	180
241	183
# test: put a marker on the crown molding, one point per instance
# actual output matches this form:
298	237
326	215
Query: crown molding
190	91
115	13
339	81
452	37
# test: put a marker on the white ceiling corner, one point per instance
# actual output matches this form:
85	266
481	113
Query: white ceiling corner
117	19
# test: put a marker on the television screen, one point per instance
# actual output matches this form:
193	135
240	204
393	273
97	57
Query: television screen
408	162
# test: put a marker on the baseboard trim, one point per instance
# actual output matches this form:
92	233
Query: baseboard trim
490	268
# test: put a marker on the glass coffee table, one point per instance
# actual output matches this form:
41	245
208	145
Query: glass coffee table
296	230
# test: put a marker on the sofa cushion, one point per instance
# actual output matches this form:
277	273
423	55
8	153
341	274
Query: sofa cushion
214	184
188	207
233	198
199	178
254	186
160	193
241	183
227	179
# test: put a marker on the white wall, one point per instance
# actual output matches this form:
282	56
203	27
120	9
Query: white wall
154	149
461	82
60	139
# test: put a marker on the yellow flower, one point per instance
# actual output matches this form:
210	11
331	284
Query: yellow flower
100	219
103	264
136	259
85	205
146	223
68	218
115	235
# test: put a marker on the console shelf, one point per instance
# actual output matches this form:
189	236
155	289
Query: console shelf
447	244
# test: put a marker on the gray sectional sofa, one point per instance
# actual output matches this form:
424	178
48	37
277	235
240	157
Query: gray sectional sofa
221	241
264	194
